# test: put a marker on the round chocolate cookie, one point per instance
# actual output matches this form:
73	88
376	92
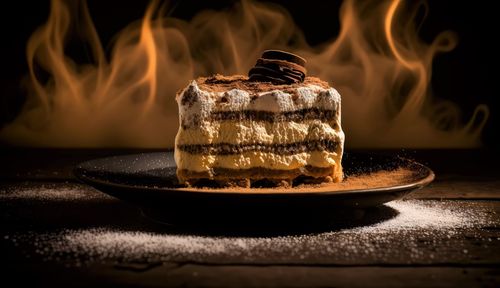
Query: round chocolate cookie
278	67
285	56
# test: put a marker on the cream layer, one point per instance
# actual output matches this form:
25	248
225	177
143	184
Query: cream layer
246	160
240	132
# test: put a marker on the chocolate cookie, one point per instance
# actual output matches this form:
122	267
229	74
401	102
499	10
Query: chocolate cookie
278	67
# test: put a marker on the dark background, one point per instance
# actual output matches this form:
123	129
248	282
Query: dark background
464	75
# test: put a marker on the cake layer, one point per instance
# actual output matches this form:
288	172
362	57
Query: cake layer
247	160
256	115
281	149
242	132
256	173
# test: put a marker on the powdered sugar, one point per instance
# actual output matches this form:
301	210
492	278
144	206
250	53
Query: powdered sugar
420	215
51	192
437	223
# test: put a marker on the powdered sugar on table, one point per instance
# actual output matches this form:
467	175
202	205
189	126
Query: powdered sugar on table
436	221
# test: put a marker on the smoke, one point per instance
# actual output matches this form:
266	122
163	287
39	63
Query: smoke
378	63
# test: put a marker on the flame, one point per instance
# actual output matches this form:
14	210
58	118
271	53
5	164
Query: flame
378	63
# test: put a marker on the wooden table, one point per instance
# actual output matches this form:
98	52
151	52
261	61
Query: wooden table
58	232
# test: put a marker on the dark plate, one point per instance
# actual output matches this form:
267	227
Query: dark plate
148	180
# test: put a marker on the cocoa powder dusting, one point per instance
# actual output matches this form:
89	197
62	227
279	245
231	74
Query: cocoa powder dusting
379	179
220	83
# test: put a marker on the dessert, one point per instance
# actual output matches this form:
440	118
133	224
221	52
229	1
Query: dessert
276	126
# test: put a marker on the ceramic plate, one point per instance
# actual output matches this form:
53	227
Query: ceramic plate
148	180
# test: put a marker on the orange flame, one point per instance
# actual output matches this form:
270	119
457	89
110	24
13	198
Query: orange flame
378	63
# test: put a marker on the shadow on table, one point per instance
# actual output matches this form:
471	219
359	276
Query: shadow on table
263	223
44	215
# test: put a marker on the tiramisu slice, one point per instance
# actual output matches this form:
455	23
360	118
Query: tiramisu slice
274	126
